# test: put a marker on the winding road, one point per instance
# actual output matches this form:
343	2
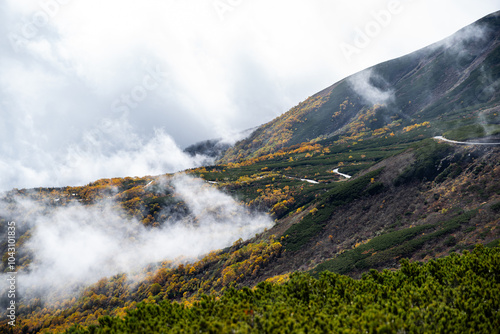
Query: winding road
310	181
336	171
303	180
463	142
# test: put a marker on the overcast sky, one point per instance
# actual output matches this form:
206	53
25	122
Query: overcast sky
92	89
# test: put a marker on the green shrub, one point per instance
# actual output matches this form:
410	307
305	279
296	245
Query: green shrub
495	207
429	162
355	258
344	193
384	248
459	294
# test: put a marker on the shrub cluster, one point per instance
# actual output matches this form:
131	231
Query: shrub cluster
456	294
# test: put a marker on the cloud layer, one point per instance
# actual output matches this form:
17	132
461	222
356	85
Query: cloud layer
78	244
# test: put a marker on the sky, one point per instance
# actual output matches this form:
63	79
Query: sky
93	89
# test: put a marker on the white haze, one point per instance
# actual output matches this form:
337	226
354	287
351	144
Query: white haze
111	149
77	245
361	83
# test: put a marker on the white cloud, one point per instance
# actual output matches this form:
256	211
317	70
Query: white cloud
60	77
109	150
76	244
362	83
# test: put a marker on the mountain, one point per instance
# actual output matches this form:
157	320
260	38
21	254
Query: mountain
215	148
358	184
212	148
450	84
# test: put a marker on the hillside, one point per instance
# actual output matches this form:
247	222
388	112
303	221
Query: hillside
451	84
407	199
338	183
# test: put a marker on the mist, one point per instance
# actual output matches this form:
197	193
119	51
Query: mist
76	245
109	149
364	84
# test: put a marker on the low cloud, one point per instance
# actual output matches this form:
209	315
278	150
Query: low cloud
461	38
76	245
372	87
110	149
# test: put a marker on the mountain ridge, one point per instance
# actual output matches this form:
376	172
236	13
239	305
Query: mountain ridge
423	84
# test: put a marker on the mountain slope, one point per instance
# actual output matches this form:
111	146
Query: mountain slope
419	201
449	84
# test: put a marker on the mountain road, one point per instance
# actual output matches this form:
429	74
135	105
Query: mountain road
441	138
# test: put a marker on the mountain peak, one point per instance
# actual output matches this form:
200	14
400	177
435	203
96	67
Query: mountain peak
449	84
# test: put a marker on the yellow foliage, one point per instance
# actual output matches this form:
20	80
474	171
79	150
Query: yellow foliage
415	126
279	279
